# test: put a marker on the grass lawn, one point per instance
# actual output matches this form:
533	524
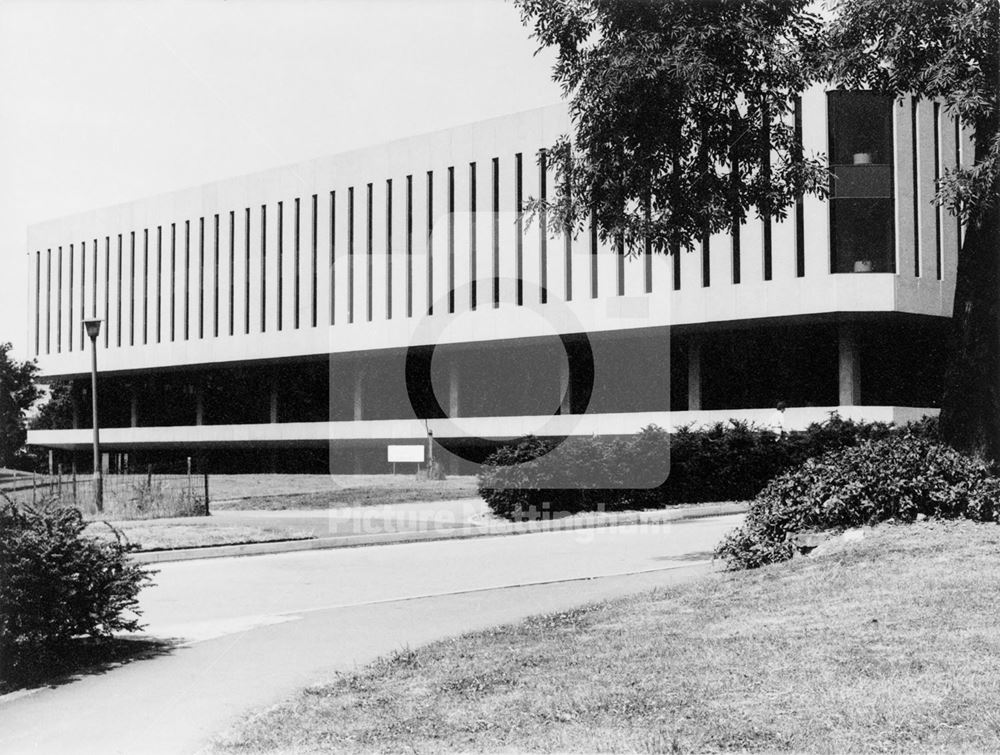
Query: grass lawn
157	534
891	643
277	492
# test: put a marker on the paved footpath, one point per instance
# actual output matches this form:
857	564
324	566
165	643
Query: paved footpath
252	630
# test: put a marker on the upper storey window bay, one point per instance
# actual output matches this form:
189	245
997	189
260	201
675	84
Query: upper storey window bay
862	228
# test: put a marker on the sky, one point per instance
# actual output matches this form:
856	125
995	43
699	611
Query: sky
107	101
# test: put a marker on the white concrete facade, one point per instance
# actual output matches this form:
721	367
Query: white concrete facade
349	254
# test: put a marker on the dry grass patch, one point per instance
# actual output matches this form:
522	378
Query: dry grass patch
281	492
891	643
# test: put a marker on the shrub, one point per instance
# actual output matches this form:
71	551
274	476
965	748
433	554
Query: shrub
726	461
56	585
897	477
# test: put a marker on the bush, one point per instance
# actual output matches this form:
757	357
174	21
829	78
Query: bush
518	481
56	585
897	477
726	461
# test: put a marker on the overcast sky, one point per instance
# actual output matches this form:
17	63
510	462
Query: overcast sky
104	102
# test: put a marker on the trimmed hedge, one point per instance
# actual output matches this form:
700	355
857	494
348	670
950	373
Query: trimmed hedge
57	584
722	462
897	477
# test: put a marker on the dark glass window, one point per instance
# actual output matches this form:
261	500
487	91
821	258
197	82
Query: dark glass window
862	231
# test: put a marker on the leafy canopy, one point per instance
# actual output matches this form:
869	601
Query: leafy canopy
17	394
682	114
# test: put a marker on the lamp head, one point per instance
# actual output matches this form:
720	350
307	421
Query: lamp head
93	326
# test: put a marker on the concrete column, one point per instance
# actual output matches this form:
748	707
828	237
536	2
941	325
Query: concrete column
453	398
273	413
75	404
565	387
199	405
694	374
849	373
134	408
359	395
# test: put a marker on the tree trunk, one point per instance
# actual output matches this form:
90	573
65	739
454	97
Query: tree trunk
970	404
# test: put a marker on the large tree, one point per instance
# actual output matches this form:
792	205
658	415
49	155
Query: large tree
17	394
680	111
947	50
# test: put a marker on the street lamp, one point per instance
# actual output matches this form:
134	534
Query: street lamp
93	326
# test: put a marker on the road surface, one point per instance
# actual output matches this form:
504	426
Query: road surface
250	631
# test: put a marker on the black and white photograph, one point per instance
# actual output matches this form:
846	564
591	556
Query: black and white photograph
499	376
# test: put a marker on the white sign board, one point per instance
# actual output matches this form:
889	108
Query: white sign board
405	454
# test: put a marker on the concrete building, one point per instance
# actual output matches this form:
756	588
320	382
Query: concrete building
315	313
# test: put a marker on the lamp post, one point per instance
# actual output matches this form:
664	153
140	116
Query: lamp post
93	326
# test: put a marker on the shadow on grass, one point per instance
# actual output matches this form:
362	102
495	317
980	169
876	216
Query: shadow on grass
82	657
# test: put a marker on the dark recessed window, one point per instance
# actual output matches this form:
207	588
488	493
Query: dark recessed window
472	236
620	265
800	227
496	231
59	298
296	262
567	247
409	246
765	159
543	228
430	242
594	247
862	231
350	254
706	260
215	280
281	262
48	301
107	291
232	271
369	252
937	177
519	228
38	302
173	279
93	276
69	299
315	260
145	285
451	239
159	280
118	289
131	289
388	249
647	259
333	252
263	268
201	277
83	287
675	253
246	271
915	183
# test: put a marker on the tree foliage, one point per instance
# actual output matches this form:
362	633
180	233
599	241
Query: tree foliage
681	113
17	394
57	412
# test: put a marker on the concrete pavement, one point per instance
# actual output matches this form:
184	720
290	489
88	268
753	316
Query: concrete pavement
253	630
